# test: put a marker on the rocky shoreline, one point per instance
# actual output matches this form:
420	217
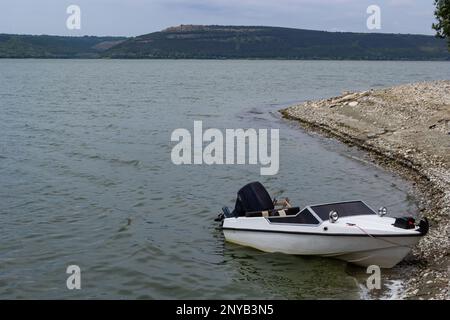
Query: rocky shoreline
406	129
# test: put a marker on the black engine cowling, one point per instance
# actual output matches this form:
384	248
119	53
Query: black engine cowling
410	223
405	223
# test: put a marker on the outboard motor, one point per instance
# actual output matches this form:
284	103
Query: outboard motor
253	197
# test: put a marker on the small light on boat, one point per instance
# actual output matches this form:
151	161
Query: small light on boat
333	216
382	211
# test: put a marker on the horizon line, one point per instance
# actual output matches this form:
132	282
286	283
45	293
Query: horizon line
217	25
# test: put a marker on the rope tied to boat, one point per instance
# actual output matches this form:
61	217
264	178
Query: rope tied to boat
378	238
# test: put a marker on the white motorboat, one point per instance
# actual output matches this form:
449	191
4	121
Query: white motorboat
350	231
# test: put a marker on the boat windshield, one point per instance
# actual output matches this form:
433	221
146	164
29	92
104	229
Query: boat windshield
344	209
304	217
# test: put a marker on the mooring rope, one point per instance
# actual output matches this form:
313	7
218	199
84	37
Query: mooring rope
375	237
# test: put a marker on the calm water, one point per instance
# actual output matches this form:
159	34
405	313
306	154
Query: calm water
86	176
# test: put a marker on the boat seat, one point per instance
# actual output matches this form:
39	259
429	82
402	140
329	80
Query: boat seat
274	212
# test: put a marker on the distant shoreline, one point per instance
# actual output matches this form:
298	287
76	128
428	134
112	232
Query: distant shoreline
215	42
224	59
405	129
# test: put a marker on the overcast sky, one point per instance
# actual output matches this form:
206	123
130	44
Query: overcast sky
135	17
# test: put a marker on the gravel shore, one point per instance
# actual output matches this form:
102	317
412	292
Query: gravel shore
405	128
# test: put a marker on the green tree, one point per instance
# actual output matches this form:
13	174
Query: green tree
442	14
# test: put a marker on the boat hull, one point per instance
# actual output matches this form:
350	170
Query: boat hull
363	250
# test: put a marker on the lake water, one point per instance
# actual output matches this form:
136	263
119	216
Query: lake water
86	176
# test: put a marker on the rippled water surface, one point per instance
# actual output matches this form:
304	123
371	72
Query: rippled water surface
86	176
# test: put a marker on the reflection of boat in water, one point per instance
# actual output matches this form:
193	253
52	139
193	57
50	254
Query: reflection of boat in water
350	231
258	275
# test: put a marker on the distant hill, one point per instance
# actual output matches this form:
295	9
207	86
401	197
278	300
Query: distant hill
232	42
28	46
